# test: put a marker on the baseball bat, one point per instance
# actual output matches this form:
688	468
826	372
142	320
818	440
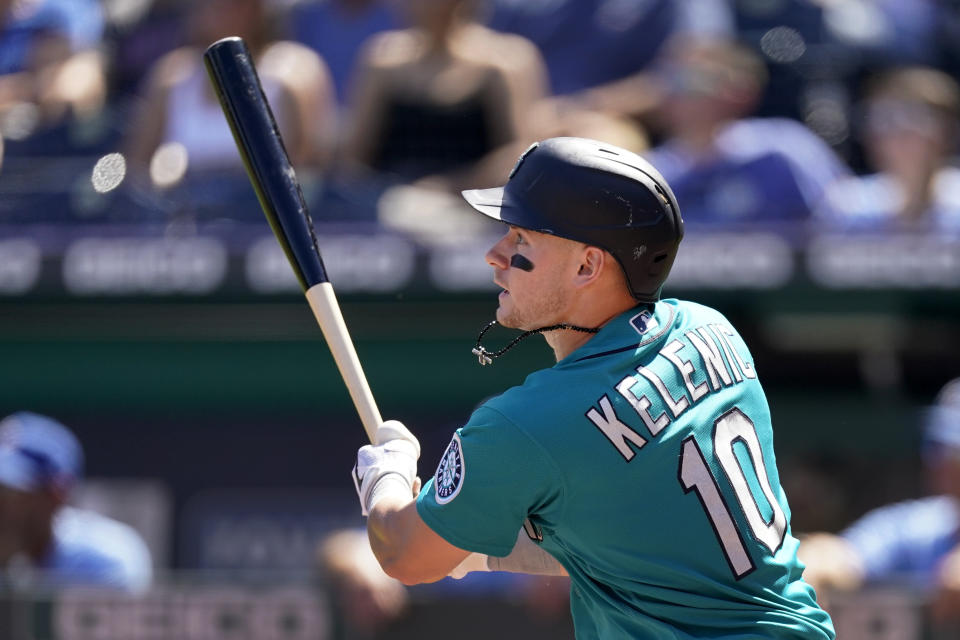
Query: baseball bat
237	85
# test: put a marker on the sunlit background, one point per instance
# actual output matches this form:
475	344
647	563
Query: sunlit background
145	304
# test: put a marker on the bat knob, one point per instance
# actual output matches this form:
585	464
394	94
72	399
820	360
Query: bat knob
482	356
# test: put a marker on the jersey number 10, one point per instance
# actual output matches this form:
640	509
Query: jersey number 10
732	427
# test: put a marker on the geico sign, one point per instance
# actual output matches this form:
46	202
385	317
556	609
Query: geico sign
193	613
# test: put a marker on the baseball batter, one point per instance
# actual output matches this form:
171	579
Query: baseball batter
641	464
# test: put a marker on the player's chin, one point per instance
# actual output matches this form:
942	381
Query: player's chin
505	318
516	321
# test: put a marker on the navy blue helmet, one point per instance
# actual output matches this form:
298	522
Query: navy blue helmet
598	194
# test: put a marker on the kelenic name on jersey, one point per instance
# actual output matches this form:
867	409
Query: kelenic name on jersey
450	471
716	365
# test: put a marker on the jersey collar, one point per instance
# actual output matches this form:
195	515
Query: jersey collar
632	329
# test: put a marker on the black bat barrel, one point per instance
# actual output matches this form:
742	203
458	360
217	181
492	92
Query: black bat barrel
237	85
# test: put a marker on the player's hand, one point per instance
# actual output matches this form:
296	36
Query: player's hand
473	562
389	465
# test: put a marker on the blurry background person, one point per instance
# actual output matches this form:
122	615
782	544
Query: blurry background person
365	598
910	137
433	101
43	540
180	111
337	29
914	543
587	43
725	167
50	66
597	53
600	54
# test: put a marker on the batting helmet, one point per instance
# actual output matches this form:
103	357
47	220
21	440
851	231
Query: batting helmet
597	194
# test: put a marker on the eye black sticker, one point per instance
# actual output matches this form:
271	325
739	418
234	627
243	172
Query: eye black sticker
520	262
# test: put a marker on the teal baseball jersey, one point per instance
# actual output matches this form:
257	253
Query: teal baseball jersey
644	463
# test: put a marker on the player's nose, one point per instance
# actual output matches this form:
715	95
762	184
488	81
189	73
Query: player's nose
496	255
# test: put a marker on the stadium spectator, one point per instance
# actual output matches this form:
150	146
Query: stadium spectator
42	539
138	35
336	30
915	543
365	598
726	168
706	19
799	56
599	56
887	32
557	119
50	68
435	101
180	108
910	135
587	43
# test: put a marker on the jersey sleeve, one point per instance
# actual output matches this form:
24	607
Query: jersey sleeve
491	477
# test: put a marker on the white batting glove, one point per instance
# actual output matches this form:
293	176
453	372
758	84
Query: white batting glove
473	562
387	467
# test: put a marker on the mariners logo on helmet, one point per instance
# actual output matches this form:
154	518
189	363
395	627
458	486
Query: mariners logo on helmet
449	476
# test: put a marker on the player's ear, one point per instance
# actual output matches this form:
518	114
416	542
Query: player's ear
593	261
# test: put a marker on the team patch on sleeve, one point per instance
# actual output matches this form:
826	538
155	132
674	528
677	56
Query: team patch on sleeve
449	477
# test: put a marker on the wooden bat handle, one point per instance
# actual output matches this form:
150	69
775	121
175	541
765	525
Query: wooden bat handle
254	128
323	302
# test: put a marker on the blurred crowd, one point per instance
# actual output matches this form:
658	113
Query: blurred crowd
795	116
45	540
792	115
912	544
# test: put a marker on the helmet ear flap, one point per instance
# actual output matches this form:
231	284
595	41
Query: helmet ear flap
659	266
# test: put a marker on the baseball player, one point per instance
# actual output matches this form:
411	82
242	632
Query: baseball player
641	464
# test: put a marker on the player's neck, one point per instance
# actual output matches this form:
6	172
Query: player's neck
566	341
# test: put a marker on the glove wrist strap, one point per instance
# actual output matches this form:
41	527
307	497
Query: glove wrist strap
389	484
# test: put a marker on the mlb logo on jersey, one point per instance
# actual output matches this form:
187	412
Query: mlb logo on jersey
643	322
449	476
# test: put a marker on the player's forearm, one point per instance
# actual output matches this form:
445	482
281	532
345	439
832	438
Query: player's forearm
388	531
392	528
